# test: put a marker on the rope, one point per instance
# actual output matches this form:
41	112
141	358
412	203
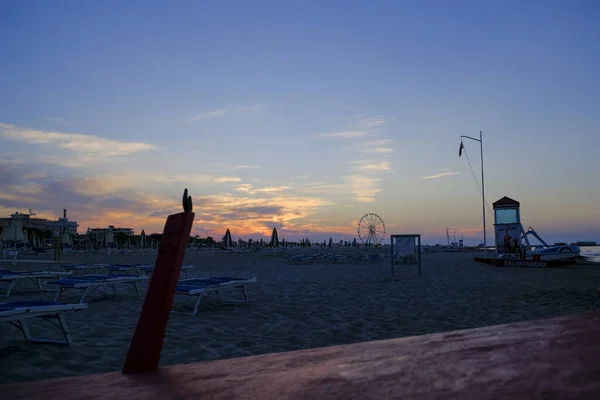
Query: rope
476	181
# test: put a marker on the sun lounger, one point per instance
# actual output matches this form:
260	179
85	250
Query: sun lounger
17	312
118	269
139	269
13	278
204	287
89	283
84	268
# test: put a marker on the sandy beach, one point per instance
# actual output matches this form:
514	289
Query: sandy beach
297	307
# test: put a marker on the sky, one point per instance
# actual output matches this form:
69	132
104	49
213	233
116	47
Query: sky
302	115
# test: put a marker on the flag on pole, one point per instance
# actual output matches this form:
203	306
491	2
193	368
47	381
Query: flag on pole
460	149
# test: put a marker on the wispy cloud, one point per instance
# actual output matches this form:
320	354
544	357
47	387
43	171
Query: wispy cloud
370	165
247	166
248	188
221	112
370	151
225	179
344	134
209	115
371	123
82	143
440	175
364	188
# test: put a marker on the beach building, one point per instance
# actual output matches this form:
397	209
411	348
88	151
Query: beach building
111	228
28	221
63	224
104	236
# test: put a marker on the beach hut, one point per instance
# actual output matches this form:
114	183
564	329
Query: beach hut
274	238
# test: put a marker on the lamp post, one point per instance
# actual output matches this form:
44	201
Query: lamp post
480	140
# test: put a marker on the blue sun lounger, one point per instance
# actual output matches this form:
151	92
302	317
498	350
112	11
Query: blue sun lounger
204	287
13	278
89	283
139	269
17	312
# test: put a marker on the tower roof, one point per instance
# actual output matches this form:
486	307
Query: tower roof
506	202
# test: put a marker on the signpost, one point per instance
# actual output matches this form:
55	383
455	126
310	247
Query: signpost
406	250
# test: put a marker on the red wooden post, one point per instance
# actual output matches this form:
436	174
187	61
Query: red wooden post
149	336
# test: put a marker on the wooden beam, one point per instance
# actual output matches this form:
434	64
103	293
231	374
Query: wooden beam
149	336
552	358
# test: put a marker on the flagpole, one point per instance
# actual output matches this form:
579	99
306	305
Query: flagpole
480	140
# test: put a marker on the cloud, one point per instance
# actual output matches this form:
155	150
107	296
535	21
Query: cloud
345	134
440	175
209	115
370	151
225	179
371	122
247	167
221	112
81	143
377	150
364	188
371	165
99	201
247	188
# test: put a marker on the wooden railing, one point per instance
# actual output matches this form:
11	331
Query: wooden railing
545	359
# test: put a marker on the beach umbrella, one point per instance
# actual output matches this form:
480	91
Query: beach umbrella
13	232
274	238
66	238
143	239
227	241
4	234
109	237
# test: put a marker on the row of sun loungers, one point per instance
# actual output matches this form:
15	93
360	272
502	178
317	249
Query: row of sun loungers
18	312
326	258
137	269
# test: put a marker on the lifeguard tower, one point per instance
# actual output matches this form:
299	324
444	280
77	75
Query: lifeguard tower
507	226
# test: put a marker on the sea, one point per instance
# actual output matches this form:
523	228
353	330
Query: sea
591	252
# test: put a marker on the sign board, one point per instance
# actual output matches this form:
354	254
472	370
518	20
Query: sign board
406	250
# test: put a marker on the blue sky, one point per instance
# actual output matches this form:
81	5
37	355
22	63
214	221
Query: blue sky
302	115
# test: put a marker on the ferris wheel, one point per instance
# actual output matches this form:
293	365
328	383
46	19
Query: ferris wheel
371	229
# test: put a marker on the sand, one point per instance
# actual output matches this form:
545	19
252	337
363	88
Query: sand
298	307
